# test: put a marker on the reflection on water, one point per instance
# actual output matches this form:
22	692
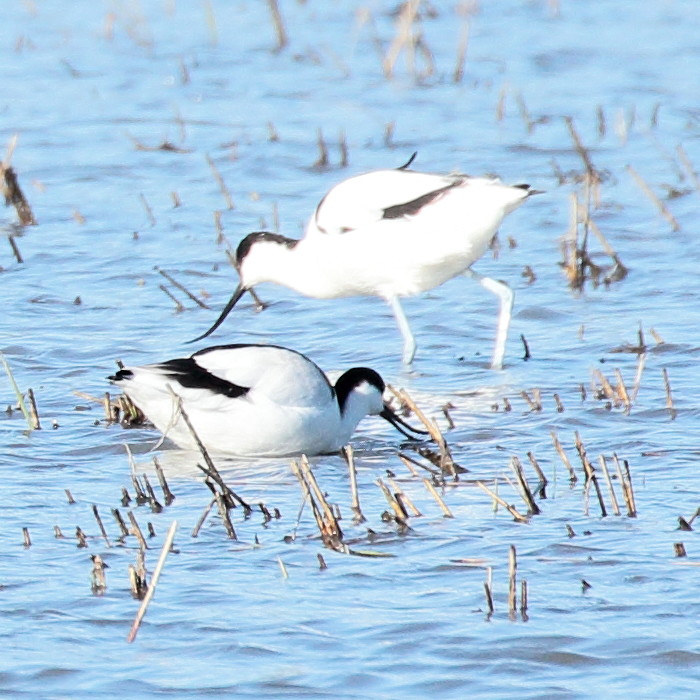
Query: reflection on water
117	109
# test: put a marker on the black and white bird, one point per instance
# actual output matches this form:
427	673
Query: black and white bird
256	400
390	234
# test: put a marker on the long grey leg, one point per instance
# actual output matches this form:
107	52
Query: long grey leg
507	296
409	343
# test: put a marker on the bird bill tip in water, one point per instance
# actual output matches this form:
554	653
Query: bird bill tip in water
240	291
401	425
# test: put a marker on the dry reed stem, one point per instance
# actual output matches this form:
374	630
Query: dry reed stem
156	507
322	160
394	503
69	496
447	464
590	472
641	361
608	481
136	530
147	207
26	539
626	483
329	529
343	147
403	498
18	394
120	522
179	308
540	475
100	524
181	287
462	47
409	463
278	24
168	495
33	412
154	582
203	517
220	181
15	249
98	580
517	467
81	537
517	516
443	506
349	456
404	37
622	391
679	549
564	458
512	581
669	396
663	209
10	189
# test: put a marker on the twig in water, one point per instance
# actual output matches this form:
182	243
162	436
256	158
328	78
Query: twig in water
402	497
590	472
322	161
541	487
395	504
82	539
154	582
69	496
179	308
27	540
203	517
679	549
120	522
18	393
15	249
489	593
147	207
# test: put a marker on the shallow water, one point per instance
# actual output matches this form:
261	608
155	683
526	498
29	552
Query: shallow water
83	84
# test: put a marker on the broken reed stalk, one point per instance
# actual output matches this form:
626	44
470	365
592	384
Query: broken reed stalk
120	522
156	507
404	36
403	498
9	186
663	209
18	394
179	307
26	539
100	524
488	591
33	412
622	391
203	517
564	458
136	530
220	181
98	581
181	287
147	207
517	516
523	600
411	463
512	581
167	544
398	507
626	483
641	362
278	24
590	472
447	464
541	487
349	456
608	481
669	396
15	249
443	506
211	471
517	467
327	523
458	74
168	495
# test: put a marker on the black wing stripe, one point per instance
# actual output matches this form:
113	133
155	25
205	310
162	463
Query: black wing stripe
415	205
189	374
